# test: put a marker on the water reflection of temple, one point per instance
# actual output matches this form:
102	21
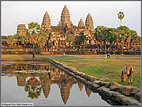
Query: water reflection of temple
46	87
41	82
80	85
65	91
88	91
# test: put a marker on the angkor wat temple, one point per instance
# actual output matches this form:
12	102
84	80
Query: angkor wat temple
83	33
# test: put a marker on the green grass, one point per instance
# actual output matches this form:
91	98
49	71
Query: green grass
95	65
100	67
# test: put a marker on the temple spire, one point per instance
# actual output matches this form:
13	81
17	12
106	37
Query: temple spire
89	22
80	24
65	17
46	23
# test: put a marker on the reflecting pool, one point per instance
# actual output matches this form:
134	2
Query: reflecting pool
42	84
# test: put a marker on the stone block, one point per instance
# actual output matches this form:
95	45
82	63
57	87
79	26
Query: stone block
113	88
85	76
103	83
93	78
88	83
118	97
97	82
126	90
89	78
82	80
103	79
115	96
129	101
108	84
95	86
138	96
135	91
115	84
75	73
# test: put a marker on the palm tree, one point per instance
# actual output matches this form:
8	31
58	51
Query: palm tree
33	31
120	16
35	36
32	35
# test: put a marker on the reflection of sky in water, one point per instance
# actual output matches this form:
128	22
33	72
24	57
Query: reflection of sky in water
11	92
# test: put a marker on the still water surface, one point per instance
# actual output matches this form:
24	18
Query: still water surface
44	85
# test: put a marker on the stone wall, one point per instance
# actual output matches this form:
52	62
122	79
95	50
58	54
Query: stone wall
112	92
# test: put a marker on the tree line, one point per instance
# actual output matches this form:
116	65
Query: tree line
114	35
35	36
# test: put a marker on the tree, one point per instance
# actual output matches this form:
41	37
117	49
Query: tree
124	34
33	87
120	16
101	34
70	39
33	31
35	36
24	37
81	40
42	39
134	35
11	40
112	38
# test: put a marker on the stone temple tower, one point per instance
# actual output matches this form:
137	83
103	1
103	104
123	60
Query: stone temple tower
46	23
65	18
81	24
21	28
89	23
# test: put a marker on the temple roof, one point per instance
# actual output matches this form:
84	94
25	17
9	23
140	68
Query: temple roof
89	22
80	24
65	11
65	17
89	17
46	23
46	16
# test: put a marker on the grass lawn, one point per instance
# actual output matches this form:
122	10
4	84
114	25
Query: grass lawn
96	65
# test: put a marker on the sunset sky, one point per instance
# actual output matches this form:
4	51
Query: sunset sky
103	13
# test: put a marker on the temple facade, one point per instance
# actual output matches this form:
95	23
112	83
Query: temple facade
83	34
57	34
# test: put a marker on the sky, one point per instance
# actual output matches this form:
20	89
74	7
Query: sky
104	13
